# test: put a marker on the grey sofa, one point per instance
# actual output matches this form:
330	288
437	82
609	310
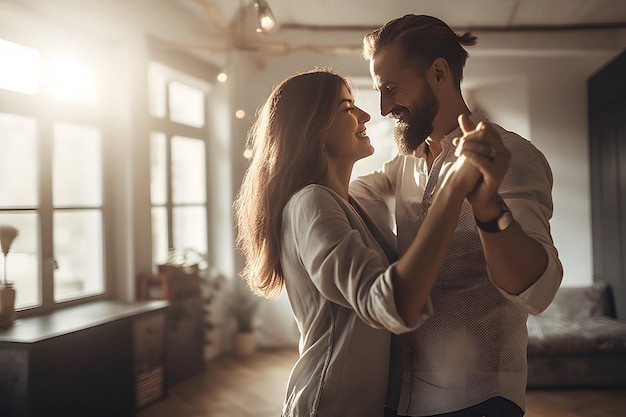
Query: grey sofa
577	342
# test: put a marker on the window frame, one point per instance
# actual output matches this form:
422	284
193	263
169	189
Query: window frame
46	111
186	69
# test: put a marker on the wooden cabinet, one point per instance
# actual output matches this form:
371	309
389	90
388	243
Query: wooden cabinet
149	350
99	359
185	319
185	342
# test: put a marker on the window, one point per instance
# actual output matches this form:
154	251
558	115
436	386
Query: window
77	208
20	68
178	162
51	176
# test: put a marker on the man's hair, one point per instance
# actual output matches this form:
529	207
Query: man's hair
422	39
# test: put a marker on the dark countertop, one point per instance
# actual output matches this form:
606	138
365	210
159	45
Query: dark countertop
72	319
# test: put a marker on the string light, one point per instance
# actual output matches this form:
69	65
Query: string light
222	77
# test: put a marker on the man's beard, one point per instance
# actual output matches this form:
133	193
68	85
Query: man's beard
414	126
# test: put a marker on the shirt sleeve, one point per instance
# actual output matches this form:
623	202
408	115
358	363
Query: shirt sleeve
341	266
376	193
527	190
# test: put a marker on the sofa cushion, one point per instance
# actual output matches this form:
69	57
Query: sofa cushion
576	341
570	302
582	335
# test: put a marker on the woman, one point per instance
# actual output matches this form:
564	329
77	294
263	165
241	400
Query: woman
299	228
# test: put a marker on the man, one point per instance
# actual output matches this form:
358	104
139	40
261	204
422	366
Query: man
469	358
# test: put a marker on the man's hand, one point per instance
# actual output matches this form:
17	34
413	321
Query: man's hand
482	146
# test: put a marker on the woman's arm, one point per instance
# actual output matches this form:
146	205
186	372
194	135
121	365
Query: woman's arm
415	273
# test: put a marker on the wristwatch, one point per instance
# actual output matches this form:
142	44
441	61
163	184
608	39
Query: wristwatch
498	224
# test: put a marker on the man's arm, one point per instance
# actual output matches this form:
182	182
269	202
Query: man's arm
514	259
375	192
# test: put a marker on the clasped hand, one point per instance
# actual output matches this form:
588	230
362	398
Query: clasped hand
481	147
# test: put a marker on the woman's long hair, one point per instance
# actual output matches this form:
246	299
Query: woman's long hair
287	156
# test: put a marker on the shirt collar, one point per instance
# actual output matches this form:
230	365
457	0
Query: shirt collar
446	141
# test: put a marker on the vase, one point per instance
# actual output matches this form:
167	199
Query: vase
7	304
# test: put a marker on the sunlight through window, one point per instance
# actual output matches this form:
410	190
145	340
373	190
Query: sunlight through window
70	80
20	68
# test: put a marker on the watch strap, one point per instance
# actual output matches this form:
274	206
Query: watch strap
498	224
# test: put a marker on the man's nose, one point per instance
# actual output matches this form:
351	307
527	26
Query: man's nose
386	104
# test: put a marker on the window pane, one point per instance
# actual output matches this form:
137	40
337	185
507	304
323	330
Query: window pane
186	104
22	262
77	172
71	80
190	229
18	161
158	168
188	171
20	68
78	252
160	246
156	90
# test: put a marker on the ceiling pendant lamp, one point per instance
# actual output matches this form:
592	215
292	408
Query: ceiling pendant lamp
265	18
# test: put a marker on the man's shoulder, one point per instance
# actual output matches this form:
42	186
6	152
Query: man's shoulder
516	142
525	157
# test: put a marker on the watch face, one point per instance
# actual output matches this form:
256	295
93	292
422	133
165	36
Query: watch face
505	220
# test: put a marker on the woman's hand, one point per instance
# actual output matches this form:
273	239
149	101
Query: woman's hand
483	148
462	176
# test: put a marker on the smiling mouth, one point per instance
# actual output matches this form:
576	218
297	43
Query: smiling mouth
361	134
398	115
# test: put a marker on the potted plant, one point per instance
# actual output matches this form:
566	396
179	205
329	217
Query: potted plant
244	307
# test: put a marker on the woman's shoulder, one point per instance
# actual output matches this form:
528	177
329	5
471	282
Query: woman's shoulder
312	199
315	205
312	193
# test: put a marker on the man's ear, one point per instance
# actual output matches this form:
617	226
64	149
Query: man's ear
440	71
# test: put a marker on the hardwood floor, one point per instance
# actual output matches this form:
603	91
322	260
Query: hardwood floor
254	386
576	403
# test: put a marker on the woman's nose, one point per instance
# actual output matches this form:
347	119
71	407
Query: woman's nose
365	116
